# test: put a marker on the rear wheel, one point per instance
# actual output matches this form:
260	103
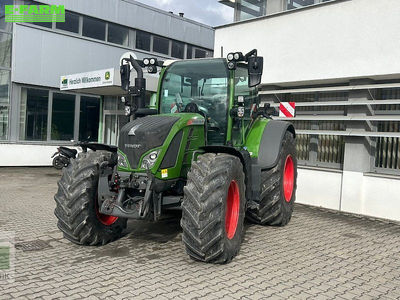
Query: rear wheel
77	208
213	208
59	162
278	188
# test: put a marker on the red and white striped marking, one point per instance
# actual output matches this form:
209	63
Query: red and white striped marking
287	109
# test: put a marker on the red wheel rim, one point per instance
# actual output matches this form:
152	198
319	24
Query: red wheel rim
104	219
232	209
288	178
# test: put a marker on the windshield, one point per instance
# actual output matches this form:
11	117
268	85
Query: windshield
203	83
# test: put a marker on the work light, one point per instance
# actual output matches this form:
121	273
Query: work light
231	65
230	57
236	56
146	61
153	61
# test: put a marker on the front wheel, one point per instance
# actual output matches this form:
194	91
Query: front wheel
77	208
213	208
278	188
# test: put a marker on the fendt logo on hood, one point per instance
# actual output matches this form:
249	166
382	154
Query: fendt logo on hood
133	129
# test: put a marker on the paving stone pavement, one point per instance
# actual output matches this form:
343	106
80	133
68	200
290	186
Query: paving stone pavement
319	255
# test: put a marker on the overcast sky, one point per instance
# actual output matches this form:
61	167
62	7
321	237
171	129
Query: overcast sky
209	12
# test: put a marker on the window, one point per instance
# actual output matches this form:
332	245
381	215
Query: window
178	49
4	103
117	34
189	52
62	117
71	23
5	50
293	4
143	40
251	8
94	28
198	53
160	45
3	25
43	24
34	107
89	119
207	88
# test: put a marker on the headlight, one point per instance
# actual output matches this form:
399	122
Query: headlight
150	159
230	56
122	161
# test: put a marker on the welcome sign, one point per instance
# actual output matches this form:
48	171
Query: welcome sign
92	79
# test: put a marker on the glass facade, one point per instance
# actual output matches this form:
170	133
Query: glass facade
89	118
5	70
249	9
33	114
53	116
62	118
4	102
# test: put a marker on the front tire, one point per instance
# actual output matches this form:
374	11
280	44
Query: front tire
278	188
213	208
77	210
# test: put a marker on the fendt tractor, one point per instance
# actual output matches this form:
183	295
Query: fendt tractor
207	147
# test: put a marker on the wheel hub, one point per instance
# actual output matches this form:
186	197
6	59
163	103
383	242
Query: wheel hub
104	219
232	209
288	178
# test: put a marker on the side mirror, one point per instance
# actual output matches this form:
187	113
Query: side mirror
125	76
255	68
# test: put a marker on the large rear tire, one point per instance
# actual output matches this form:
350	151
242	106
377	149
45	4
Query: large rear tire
77	209
213	208
278	188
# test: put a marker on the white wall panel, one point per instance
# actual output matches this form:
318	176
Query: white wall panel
319	188
347	39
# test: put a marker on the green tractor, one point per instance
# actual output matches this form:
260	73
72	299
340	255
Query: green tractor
206	147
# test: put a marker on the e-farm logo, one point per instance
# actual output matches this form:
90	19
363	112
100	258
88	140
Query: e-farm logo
34	13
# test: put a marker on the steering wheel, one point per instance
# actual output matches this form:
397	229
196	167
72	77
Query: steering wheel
191	108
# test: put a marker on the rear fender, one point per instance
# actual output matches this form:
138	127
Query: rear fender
266	144
271	143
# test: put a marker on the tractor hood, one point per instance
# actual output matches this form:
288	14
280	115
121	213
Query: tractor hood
143	134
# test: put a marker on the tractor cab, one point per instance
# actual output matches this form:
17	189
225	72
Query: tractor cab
210	88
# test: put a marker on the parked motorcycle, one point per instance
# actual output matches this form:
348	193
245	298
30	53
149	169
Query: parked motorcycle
63	157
